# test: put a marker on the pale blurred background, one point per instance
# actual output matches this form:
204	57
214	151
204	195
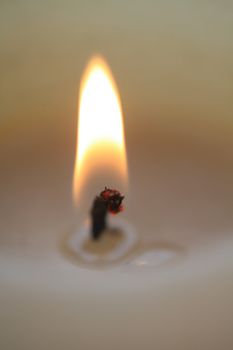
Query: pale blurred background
172	61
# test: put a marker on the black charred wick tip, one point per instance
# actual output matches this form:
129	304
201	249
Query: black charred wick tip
98	215
108	200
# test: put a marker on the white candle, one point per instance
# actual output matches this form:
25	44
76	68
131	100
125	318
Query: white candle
177	204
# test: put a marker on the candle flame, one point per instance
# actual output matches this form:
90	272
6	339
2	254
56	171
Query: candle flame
100	133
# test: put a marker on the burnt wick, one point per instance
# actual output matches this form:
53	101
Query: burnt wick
108	201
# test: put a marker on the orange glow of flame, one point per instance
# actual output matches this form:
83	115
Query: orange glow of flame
100	133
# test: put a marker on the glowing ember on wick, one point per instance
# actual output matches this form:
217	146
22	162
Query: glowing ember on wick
100	140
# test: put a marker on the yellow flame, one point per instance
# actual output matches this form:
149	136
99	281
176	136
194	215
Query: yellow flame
100	133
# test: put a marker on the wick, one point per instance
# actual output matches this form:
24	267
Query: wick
108	200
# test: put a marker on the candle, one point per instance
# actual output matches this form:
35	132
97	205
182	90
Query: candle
100	150
174	78
175	283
